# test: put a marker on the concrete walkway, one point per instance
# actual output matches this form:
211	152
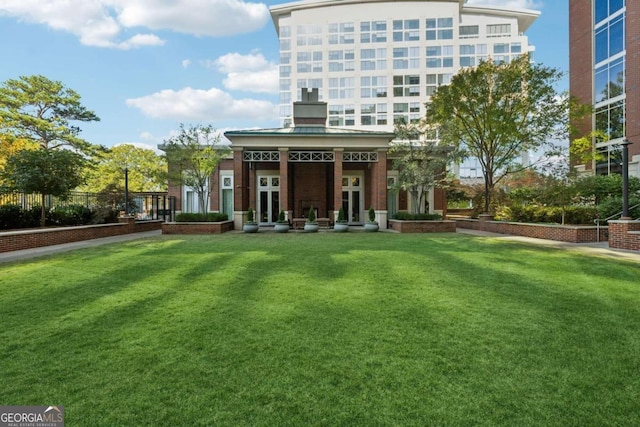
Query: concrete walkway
53	249
593	248
599	249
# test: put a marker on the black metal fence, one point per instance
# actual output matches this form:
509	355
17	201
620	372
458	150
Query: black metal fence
145	206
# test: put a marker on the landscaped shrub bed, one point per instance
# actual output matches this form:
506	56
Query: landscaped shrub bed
14	217
577	215
405	216
200	217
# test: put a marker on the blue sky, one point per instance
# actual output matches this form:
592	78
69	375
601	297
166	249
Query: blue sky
145	66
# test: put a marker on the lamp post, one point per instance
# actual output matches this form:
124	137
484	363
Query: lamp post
126	191
625	179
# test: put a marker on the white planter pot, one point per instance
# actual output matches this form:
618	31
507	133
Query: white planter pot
250	228
311	227
281	228
340	227
371	226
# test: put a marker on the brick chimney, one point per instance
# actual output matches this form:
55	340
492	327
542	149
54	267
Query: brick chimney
310	111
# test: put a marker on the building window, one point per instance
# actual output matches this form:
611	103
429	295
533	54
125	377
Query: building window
609	39
341	33
406	85
435	80
381	116
439	29
469	31
610	119
610	80
610	160
439	56
498	30
373	32
606	8
373	87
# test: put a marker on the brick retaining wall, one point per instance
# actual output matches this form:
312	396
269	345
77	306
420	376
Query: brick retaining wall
562	233
35	238
624	234
423	226
197	227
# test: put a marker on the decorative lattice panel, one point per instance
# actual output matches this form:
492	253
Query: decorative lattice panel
261	156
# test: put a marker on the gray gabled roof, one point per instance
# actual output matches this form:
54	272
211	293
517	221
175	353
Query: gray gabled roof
309	131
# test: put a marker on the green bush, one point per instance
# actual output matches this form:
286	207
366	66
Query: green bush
281	219
406	216
104	215
31	217
547	214
200	217
613	206
71	215
10	217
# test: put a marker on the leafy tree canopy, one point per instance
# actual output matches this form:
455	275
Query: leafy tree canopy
193	155
44	111
421	163
46	172
496	111
147	171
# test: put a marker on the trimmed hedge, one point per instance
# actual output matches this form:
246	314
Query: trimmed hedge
576	215
14	217
200	217
405	216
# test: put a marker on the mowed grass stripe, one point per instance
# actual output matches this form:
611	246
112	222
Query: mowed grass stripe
323	329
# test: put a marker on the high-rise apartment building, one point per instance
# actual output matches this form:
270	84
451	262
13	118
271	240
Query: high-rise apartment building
376	61
604	38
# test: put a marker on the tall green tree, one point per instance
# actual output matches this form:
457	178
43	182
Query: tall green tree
496	111
195	152
47	172
421	163
44	111
147	171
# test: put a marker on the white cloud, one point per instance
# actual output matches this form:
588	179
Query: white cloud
236	62
102	22
186	63
206	105
518	4
200	17
250	73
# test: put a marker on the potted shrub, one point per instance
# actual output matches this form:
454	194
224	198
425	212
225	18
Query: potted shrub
341	224
250	226
311	226
282	225
371	224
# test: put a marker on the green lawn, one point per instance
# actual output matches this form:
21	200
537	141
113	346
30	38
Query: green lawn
355	329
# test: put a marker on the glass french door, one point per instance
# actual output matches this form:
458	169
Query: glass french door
392	196
268	199
352	198
226	193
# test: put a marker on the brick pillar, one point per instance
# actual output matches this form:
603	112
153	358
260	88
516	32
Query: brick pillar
378	188
214	195
284	180
239	183
337	181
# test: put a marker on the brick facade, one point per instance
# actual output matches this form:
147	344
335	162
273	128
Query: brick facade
29	239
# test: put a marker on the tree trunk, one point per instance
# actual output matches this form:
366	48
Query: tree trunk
487	198
43	212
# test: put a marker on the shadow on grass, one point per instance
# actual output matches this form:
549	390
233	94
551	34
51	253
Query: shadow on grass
326	330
